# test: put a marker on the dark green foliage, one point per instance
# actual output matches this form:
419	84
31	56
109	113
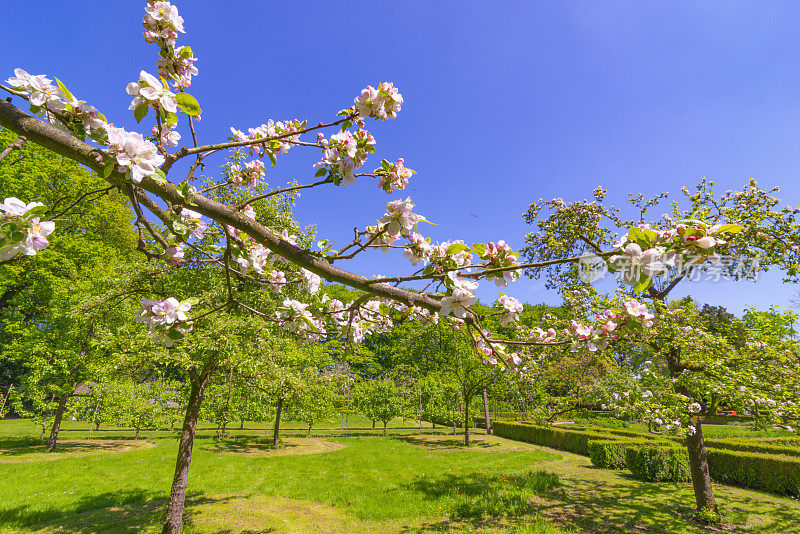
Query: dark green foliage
610	454
776	474
576	441
658	463
780	448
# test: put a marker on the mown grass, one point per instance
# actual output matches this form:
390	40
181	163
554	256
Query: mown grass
407	483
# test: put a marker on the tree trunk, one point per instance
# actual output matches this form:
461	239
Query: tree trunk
51	441
241	424
308	434
384	428
373	424
177	496
698	464
94	417
276	432
5	400
486	412
136	436
466	423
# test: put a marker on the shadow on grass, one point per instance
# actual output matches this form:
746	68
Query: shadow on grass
485	500
659	507
33	447
109	513
447	443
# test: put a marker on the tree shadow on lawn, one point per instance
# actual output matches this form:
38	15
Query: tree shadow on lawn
659	507
34	449
435	443
108	513
484	500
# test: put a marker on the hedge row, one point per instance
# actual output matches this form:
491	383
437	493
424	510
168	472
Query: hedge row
564	439
776	474
663	460
658	463
750	446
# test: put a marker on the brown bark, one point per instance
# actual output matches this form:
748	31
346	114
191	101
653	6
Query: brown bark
486	412
384	428
51	441
308	434
276	432
698	464
695	445
466	424
180	481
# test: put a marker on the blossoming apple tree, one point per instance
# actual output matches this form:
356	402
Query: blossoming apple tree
203	224
732	236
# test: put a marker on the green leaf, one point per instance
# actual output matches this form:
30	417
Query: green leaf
186	52
140	112
174	335
172	119
185	191
730	228
644	283
479	249
109	167
159	176
455	248
194	301
64	90
272	157
188	104
322	172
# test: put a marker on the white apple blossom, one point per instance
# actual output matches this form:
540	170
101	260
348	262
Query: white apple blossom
133	151
461	297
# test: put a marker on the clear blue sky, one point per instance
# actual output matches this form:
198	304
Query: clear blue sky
504	102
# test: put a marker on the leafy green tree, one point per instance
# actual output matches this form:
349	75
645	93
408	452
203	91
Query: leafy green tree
378	400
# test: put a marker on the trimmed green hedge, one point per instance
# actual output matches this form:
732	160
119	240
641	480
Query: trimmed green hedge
753	446
658	463
554	437
663	459
611	454
776	474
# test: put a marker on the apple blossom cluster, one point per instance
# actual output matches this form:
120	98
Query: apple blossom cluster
381	103
248	174
498	256
393	175
345	152
174	254
461	297
162	23
418	249
294	317
168	318
133	153
58	106
511	310
194	223
21	229
150	91
278	135
646	252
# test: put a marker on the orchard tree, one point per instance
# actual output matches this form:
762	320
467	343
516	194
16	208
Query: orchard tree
727	237
246	246
378	400
315	400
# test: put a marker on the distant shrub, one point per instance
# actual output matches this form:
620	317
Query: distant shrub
776	474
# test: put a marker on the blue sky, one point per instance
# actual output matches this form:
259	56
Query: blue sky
504	102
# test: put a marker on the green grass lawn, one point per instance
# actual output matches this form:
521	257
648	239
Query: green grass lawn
411	483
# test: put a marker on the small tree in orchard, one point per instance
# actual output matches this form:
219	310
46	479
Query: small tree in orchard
314	400
248	247
134	405
378	400
730	237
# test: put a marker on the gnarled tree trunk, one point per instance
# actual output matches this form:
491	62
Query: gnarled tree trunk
276	432
486	412
698	464
180	481
51	441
